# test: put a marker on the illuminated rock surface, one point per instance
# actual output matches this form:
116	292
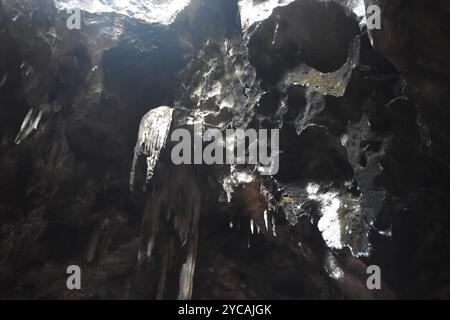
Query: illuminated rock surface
151	11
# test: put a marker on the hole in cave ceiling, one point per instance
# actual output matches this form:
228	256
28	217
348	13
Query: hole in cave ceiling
159	11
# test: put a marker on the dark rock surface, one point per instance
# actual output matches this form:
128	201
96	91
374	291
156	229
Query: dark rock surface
364	168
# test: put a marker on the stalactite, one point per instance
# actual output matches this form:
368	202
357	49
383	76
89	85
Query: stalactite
172	214
30	123
152	136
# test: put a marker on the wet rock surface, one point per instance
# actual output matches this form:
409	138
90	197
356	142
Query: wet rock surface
363	176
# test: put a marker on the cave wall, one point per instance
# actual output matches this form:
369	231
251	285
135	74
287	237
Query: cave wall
362	116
